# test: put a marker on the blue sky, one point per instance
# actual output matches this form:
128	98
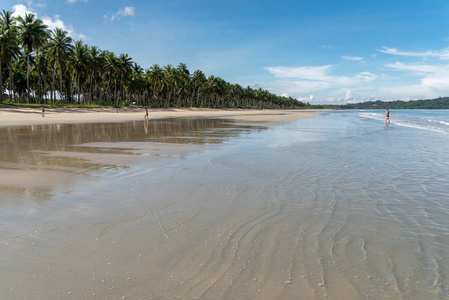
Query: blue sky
319	51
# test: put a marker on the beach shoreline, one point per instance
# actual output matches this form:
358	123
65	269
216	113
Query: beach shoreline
14	116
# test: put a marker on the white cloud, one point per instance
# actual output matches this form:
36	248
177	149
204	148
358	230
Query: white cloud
406	92
58	23
418	68
444	54
367	76
21	10
348	95
320	74
52	23
318	79
306	72
352	58
306	99
296	87
419	77
128	11
74	1
434	80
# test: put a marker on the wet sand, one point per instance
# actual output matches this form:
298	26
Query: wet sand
333	207
108	211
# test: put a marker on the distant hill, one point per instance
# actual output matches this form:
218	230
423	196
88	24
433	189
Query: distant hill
438	103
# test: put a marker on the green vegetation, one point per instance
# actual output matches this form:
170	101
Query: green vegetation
438	103
38	66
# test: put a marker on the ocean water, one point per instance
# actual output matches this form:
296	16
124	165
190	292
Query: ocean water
431	120
341	206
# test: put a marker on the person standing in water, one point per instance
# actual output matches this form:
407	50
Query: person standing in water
146	114
42	111
387	116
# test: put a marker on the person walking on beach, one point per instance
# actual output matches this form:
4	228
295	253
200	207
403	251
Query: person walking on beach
42	111
146	114
387	116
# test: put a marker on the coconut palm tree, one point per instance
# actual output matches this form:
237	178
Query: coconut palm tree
155	77
40	75
4	43
111	68
32	35
198	81
79	62
9	46
125	64
97	60
6	20
58	50
136	84
8	50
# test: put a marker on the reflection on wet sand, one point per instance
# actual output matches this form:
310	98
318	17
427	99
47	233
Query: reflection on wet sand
51	173
86	148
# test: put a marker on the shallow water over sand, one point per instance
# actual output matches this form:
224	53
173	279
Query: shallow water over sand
334	207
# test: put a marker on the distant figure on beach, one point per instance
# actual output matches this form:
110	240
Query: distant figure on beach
146	114
387	116
42	111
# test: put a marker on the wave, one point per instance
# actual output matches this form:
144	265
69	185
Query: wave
411	120
375	116
428	127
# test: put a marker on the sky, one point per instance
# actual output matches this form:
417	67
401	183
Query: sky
317	51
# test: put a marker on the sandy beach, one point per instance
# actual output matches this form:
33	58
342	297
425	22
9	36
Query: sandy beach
11	116
221	204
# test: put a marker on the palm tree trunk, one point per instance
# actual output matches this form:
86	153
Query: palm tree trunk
28	78
1	81
115	93
11	82
79	91
60	81
53	89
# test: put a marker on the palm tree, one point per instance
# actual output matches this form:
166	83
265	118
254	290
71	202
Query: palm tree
198	81
59	48
125	64
155	77
97	61
6	20
4	43
183	83
8	50
19	78
80	62
111	68
172	78
32	35
137	83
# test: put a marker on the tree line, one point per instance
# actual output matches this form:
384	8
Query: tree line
437	103
43	66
